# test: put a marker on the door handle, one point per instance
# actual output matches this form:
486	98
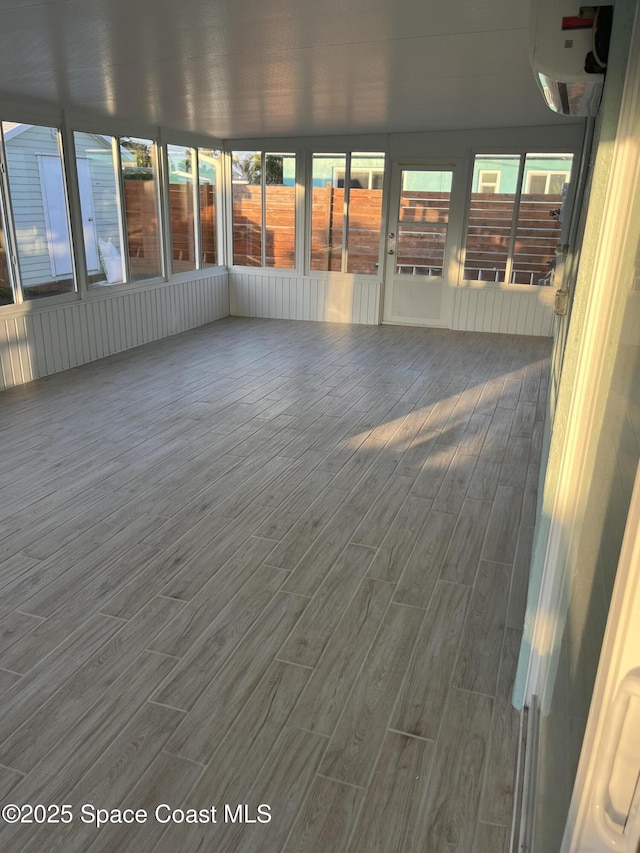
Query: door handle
616	799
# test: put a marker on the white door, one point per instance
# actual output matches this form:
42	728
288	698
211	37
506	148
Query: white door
88	215
420	271
56	214
56	218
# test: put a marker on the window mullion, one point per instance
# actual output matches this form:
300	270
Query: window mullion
508	268
197	227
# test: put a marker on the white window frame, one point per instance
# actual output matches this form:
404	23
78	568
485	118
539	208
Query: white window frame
547	175
495	185
197	213
348	155
264	153
521	183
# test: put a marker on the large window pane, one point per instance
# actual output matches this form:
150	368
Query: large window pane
327	211
208	164
546	178
39	202
365	213
246	183
495	184
280	210
423	221
140	181
100	207
263	198
533	192
182	207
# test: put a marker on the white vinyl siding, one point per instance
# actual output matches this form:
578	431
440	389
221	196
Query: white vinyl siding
27	202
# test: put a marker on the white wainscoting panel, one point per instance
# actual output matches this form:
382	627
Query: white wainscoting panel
340	299
39	342
513	312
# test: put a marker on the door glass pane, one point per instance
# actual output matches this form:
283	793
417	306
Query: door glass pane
491	217
208	164
423	220
181	206
246	178
140	180
546	179
100	207
280	210
327	211
365	213
39	203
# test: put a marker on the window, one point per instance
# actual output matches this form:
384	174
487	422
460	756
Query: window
346	212
539	220
102	224
193	207
546	183
208	166
118	186
363	179
512	234
488	182
263	202
40	215
182	205
140	196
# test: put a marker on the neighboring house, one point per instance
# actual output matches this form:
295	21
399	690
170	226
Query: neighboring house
542	174
40	209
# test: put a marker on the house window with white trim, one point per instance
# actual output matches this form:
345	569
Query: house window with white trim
545	183
488	181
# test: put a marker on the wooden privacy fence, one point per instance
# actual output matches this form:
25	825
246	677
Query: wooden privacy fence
489	233
365	221
279	228
142	227
182	224
420	248
142	224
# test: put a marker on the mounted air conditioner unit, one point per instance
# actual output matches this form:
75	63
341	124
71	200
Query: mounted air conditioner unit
570	45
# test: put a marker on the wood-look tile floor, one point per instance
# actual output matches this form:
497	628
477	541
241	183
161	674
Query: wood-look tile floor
270	562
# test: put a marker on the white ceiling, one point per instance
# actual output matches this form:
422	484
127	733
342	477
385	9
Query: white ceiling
244	68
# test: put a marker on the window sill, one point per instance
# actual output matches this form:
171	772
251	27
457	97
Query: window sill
285	272
501	285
